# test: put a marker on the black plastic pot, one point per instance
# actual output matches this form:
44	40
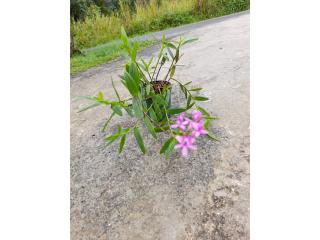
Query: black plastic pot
167	92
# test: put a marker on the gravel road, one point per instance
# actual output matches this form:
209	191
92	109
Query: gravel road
140	197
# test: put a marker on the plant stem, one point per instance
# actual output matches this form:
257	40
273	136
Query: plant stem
155	69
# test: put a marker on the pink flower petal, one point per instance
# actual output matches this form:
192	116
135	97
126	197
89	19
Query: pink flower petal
184	151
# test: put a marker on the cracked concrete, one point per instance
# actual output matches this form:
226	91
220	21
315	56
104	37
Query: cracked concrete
133	196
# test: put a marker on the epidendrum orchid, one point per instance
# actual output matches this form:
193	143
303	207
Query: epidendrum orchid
190	129
150	100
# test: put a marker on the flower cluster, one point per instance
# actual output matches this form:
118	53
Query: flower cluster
189	129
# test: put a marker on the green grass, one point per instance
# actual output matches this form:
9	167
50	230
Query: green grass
99	55
102	31
98	29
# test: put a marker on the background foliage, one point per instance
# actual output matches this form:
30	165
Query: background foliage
95	22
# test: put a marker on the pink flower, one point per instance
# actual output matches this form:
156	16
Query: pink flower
181	122
185	143
198	129
196	116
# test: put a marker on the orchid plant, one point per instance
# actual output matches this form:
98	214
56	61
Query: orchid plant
150	101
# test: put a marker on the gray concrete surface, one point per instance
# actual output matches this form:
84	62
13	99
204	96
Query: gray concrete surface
136	197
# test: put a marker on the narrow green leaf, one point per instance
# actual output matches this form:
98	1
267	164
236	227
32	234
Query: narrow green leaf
203	111
110	139
116	109
124	37
148	87
150	127
131	84
190	106
115	90
206	124
138	137
183	90
189	100
200	98
137	108
166	145
122	142
150	61
176	110
211	118
170	148
170	45
173	70
157	108
100	96
108	121
170	53
89	107
128	109
162	129
152	114
134	51
195	89
212	136
189	41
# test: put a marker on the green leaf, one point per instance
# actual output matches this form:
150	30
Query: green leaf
176	110
138	137
204	112
211	118
124	37
157	108
89	107
129	110
183	90
116	109
212	136
189	100
170	45
195	89
166	145
150	61
148	87
200	98
108	121
162	129
189	41
173	70
122	142
134	73
206	124
137	108
187	83
153	114
131	84
170	148
100	96
110	139
115	90
190	106
134	51
170	53
161	100
150	127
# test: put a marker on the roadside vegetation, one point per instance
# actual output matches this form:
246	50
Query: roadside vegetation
97	22
92	57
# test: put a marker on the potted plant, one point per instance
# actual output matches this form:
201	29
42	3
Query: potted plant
150	101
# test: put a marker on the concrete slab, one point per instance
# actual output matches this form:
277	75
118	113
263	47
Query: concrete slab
205	196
